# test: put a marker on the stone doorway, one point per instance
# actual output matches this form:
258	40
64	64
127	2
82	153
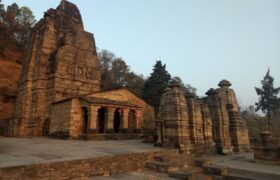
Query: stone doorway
101	119
85	119
117	120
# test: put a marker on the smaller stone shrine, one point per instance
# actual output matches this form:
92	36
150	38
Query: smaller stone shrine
186	120
267	149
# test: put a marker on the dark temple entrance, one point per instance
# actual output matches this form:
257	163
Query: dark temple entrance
117	121
85	119
101	119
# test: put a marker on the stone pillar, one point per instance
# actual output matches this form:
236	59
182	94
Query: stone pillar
159	132
93	113
192	116
76	123
138	123
109	120
124	121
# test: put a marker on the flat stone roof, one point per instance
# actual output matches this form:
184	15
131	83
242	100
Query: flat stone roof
101	101
26	151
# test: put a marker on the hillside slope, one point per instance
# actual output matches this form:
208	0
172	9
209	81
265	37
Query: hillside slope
10	69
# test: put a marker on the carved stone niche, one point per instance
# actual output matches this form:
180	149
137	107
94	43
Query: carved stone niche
68	39
81	72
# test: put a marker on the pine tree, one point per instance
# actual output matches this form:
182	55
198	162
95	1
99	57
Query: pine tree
268	100
156	84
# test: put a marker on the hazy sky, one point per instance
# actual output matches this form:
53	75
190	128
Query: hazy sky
201	41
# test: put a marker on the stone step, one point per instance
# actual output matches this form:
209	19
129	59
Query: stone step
201	150
231	176
190	174
201	162
163	167
120	136
256	174
170	158
216	170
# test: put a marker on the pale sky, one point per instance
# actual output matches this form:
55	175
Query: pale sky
201	41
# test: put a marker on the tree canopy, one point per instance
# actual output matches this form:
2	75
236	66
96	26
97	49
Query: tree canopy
185	87
156	84
268	100
15	25
115	73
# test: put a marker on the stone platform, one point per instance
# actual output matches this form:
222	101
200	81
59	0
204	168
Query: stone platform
38	158
244	165
21	151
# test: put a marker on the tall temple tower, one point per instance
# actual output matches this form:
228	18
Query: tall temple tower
60	62
173	118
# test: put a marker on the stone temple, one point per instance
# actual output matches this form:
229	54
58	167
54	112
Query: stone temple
59	96
186	120
59	89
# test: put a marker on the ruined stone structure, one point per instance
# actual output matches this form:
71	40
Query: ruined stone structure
61	63
185	119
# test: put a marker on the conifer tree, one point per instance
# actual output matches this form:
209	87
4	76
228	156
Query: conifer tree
156	84
268	100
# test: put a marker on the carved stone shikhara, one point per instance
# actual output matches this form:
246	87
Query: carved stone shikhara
61	61
185	119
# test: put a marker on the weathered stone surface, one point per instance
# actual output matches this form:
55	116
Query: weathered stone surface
190	120
267	149
220	122
60	62
173	118
238	129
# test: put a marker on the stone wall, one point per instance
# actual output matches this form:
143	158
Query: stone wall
76	122
81	169
67	119
61	118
